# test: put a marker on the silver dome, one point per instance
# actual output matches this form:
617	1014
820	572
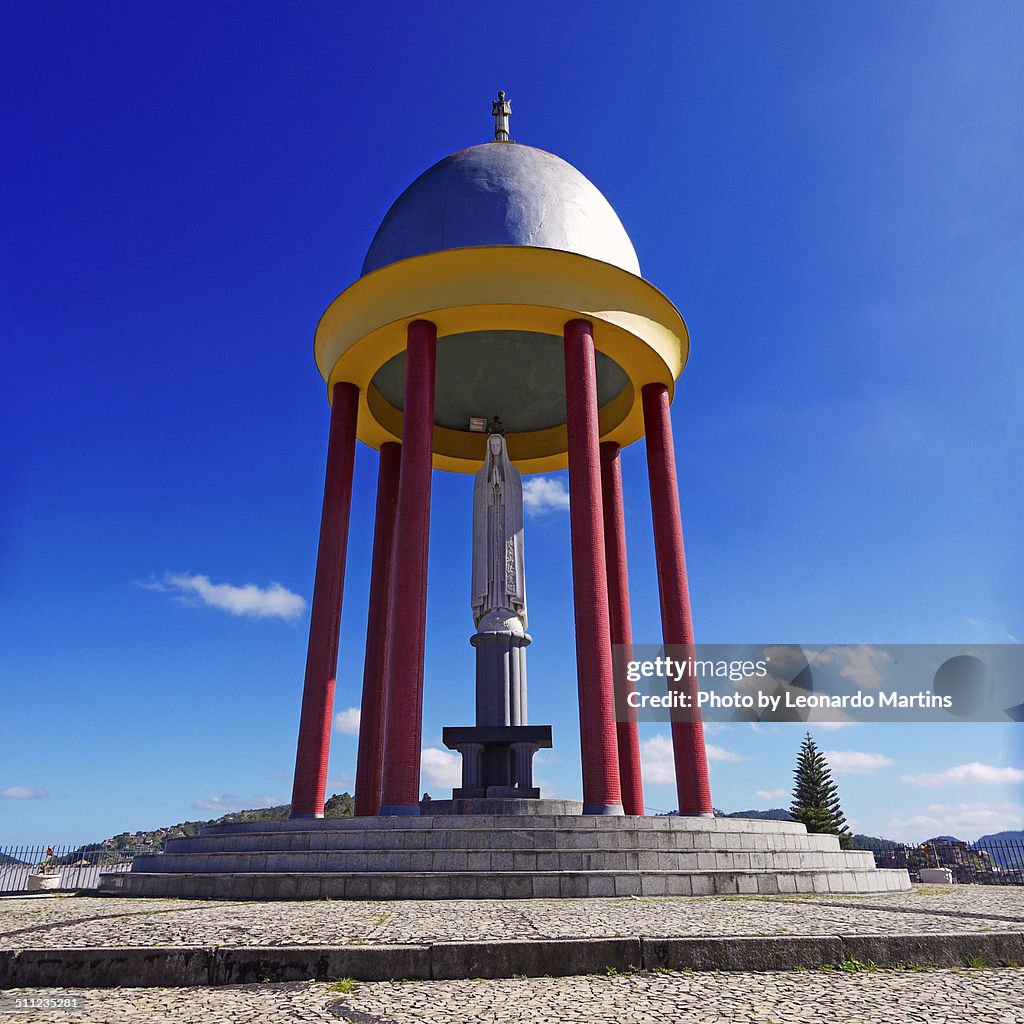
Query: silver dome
501	194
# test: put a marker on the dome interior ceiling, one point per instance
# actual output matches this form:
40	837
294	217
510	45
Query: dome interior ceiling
517	375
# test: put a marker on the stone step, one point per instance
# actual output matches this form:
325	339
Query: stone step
514	821
502	805
499	839
414	861
495	884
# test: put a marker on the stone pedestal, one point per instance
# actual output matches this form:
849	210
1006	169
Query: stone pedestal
937	876
497	760
39	882
501	849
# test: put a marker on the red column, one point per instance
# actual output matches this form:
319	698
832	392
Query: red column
370	758
325	615
601	792
626	731
408	617
677	627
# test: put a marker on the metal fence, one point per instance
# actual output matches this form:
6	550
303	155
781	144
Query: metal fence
78	867
990	862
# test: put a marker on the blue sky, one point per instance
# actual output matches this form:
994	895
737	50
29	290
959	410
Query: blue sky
830	195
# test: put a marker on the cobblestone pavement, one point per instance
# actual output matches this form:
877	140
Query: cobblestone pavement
49	921
900	997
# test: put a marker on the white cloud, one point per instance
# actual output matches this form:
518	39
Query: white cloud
969	774
786	657
441	768
856	762
230	802
965	821
23	793
543	494
658	765
548	790
860	663
991	632
273	601
656	762
721	754
772	794
347	722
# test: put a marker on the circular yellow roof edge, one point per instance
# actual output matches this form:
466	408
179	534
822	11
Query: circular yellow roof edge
501	288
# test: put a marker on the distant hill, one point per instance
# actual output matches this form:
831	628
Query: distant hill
1005	848
1004	856
873	843
1004	837
338	806
772	814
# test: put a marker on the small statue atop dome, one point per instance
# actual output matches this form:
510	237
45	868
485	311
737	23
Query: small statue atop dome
501	108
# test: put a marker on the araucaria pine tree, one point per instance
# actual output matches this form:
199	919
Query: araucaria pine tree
815	796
